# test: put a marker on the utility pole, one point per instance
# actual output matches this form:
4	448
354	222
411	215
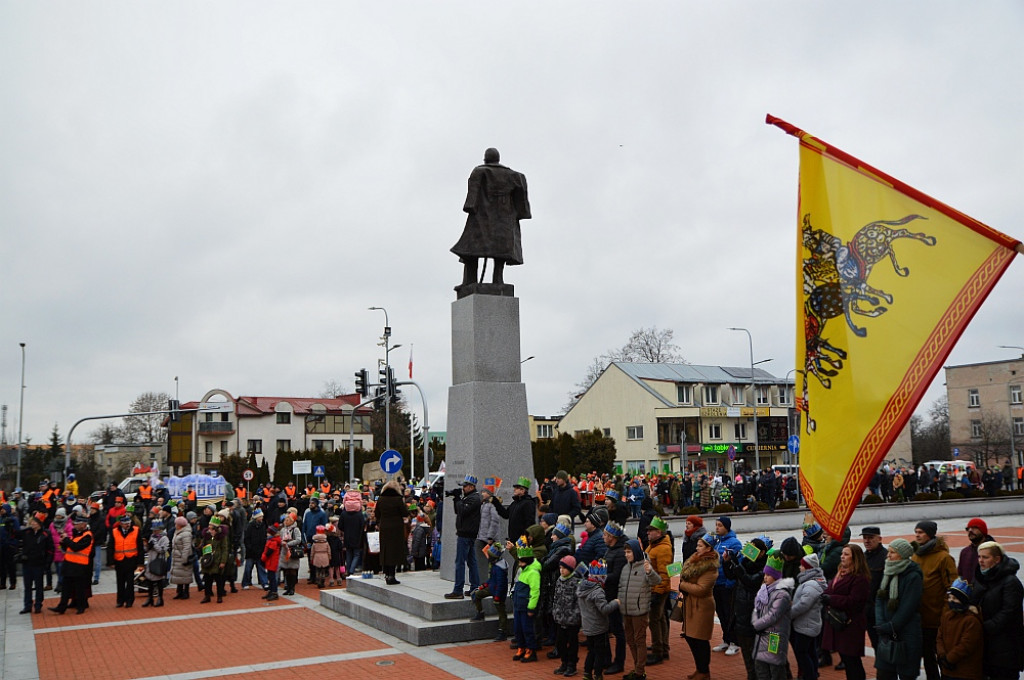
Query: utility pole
21	416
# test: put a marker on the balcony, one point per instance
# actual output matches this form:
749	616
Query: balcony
216	427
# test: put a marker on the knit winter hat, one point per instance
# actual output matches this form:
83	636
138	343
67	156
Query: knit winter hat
791	548
979	524
774	565
569	562
810	561
180	522
695	520
598	517
929	527
563	475
549	518
902	547
726	522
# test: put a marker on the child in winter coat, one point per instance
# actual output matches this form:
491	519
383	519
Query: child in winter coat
565	609
806	615
960	637
594	611
772	621
336	570
635	583
496	587
271	559
320	556
419	543
525	597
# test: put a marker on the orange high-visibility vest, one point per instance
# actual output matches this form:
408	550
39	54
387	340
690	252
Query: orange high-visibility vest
240	492
72	556
146	492
191	495
126	546
288	490
310	489
325	487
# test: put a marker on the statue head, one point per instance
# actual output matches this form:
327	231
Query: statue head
491	156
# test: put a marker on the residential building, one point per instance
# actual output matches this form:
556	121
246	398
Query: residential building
115	461
986	411
648	407
263	426
543	427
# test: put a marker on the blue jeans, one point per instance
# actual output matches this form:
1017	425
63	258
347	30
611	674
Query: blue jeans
32	578
353	562
261	572
272	586
465	556
97	563
522	629
197	575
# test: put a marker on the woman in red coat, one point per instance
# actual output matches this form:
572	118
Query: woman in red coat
848	593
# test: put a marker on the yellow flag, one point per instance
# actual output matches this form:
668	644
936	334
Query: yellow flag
887	280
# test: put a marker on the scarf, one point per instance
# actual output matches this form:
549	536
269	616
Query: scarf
926	548
763	595
890	585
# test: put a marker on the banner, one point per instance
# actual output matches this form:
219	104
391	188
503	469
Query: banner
887	280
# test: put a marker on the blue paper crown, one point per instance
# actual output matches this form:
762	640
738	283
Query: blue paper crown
470	479
562	529
614	529
768	543
614	495
598	570
962	586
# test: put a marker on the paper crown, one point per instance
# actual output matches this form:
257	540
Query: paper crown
469	479
523	548
562	529
582	570
598	571
812	530
659	524
215	521
961	589
775	560
612	493
523	482
613	529
493	551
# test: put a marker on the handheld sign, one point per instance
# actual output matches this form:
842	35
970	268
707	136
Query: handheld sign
391	462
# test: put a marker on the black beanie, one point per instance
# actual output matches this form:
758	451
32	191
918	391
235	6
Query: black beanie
929	527
791	548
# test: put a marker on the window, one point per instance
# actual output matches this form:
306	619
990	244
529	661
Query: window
224	448
545	431
1015	394
683	394
976	429
224	417
635	467
284	418
1018	427
209	417
763	396
635	432
715	431
737	394
284	445
973	398
607	432
741	431
208	453
784	396
711	394
323	444
254	446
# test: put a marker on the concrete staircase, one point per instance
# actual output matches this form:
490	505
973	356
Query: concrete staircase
414	611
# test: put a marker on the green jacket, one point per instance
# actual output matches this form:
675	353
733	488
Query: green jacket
526	593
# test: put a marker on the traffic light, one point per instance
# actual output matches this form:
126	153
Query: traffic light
383	373
174	406
393	391
362	383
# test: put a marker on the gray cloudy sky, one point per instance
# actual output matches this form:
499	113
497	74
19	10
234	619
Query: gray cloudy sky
218	191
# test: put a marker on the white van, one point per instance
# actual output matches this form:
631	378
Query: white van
949	466
787	469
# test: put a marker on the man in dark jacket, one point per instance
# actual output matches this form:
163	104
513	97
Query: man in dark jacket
614	538
467	525
564	499
37	552
521	513
875	553
254	539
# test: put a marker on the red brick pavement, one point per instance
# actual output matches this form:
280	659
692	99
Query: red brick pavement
403	665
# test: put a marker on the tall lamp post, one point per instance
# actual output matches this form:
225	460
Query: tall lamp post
21	415
750	342
1009	407
387	371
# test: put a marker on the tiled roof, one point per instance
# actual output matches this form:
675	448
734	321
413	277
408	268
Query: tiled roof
300	405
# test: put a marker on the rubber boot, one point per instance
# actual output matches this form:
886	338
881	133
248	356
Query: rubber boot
149	601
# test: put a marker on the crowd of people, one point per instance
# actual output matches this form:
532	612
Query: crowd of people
565	561
899	484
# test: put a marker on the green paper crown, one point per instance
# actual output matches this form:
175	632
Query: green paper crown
659	524
775	560
523	548
523	482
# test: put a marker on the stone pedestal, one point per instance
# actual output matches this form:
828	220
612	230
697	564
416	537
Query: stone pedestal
488	426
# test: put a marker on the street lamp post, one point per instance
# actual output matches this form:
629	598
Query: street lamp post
750	341
21	415
387	371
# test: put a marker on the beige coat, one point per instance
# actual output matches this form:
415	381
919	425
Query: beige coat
697	584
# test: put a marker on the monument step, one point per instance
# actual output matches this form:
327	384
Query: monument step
405	625
420	594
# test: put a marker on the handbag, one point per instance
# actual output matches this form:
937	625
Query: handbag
837	618
891	650
158	566
296	552
678	611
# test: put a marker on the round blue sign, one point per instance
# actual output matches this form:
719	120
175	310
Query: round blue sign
391	462
793	444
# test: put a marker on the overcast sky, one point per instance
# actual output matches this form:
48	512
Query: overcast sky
218	191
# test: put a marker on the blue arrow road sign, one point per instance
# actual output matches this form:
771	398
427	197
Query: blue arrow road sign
391	461
318	471
956	453
793	444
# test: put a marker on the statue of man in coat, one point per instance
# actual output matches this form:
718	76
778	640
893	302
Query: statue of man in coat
496	201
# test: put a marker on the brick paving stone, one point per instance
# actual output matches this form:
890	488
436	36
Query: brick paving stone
402	665
143	650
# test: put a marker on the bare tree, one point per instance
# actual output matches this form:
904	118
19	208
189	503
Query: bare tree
994	443
107	433
146	429
333	388
645	346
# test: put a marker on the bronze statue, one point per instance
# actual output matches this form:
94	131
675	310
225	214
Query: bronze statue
496	201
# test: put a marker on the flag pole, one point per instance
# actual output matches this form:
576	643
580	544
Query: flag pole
890	181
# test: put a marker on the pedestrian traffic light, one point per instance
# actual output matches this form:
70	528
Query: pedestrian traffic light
174	406
363	383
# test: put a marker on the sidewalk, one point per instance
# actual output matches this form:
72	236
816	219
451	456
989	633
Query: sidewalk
297	638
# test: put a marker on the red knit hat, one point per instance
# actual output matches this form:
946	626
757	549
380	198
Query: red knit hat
695	520
978	524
